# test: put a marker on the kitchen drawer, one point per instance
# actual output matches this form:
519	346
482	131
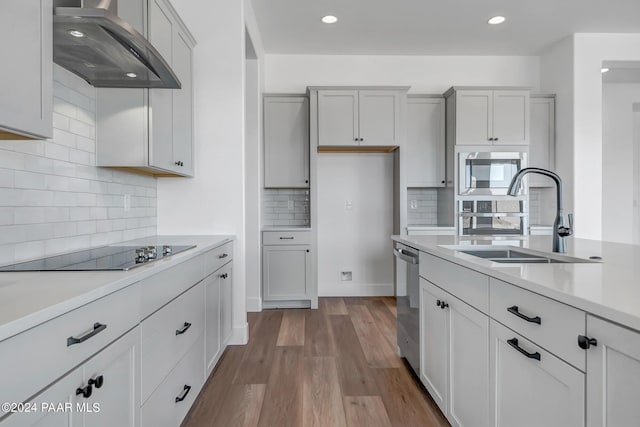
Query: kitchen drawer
286	238
559	324
162	410
216	258
163	341
161	288
35	358
470	286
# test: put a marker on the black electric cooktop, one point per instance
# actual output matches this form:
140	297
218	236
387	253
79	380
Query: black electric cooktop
106	258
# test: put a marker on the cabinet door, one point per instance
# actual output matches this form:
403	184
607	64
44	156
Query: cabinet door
161	100
613	375
468	365
474	125
182	104
425	144
511	117
286	272
530	392
212	320
26	74
338	117
286	142
226	281
379	117
62	393
542	144
434	346
119	395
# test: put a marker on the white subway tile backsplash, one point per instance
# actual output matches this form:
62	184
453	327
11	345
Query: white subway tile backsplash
52	197
425	211
276	210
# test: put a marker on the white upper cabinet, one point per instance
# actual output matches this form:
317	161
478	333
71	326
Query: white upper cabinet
369	117
491	117
151	130
338	117
286	141
542	144
26	73
613	367
424	148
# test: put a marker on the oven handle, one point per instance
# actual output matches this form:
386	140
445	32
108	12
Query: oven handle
491	214
406	256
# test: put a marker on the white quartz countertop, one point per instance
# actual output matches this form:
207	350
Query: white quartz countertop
609	289
28	299
286	228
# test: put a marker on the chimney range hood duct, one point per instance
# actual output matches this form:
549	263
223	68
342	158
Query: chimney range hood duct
91	41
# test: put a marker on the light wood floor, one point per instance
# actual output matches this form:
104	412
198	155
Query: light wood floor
335	366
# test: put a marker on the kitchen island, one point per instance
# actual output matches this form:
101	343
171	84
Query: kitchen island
507	344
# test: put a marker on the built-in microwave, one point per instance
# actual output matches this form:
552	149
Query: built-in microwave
488	173
493	217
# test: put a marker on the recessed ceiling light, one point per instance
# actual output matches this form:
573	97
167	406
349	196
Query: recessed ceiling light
76	33
132	75
604	70
329	19
497	20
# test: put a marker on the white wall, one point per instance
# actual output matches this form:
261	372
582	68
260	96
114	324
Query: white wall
618	161
214	201
556	76
425	74
636	172
356	240
589	52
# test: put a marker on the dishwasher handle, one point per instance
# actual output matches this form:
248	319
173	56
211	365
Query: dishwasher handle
406	256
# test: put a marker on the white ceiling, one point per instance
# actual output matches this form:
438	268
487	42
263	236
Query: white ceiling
435	27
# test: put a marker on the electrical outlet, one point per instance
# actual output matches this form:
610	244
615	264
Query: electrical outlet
127	202
413	204
290	205
348	205
346	276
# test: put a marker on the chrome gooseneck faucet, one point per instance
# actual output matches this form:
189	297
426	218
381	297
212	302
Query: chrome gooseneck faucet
560	231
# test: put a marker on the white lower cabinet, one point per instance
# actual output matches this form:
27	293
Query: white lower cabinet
613	366
530	386
218	304
455	356
104	391
286	272
433	342
169	404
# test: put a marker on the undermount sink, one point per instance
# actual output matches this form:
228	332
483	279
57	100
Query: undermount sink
513	256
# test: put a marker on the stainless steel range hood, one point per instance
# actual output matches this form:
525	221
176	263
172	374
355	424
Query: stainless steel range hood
91	41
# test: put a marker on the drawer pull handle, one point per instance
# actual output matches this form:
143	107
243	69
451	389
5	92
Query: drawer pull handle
183	395
224	276
85	391
513	342
586	342
223	256
97	328
184	329
514	310
286	238
97	381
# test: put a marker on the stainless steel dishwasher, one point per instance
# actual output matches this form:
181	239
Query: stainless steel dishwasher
408	304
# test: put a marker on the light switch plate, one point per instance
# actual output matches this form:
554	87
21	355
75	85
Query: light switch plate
414	204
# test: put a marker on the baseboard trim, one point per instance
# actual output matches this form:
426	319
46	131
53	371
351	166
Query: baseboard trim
240	335
254	305
286	304
359	290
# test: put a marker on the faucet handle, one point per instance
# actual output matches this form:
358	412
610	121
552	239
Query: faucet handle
570	221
